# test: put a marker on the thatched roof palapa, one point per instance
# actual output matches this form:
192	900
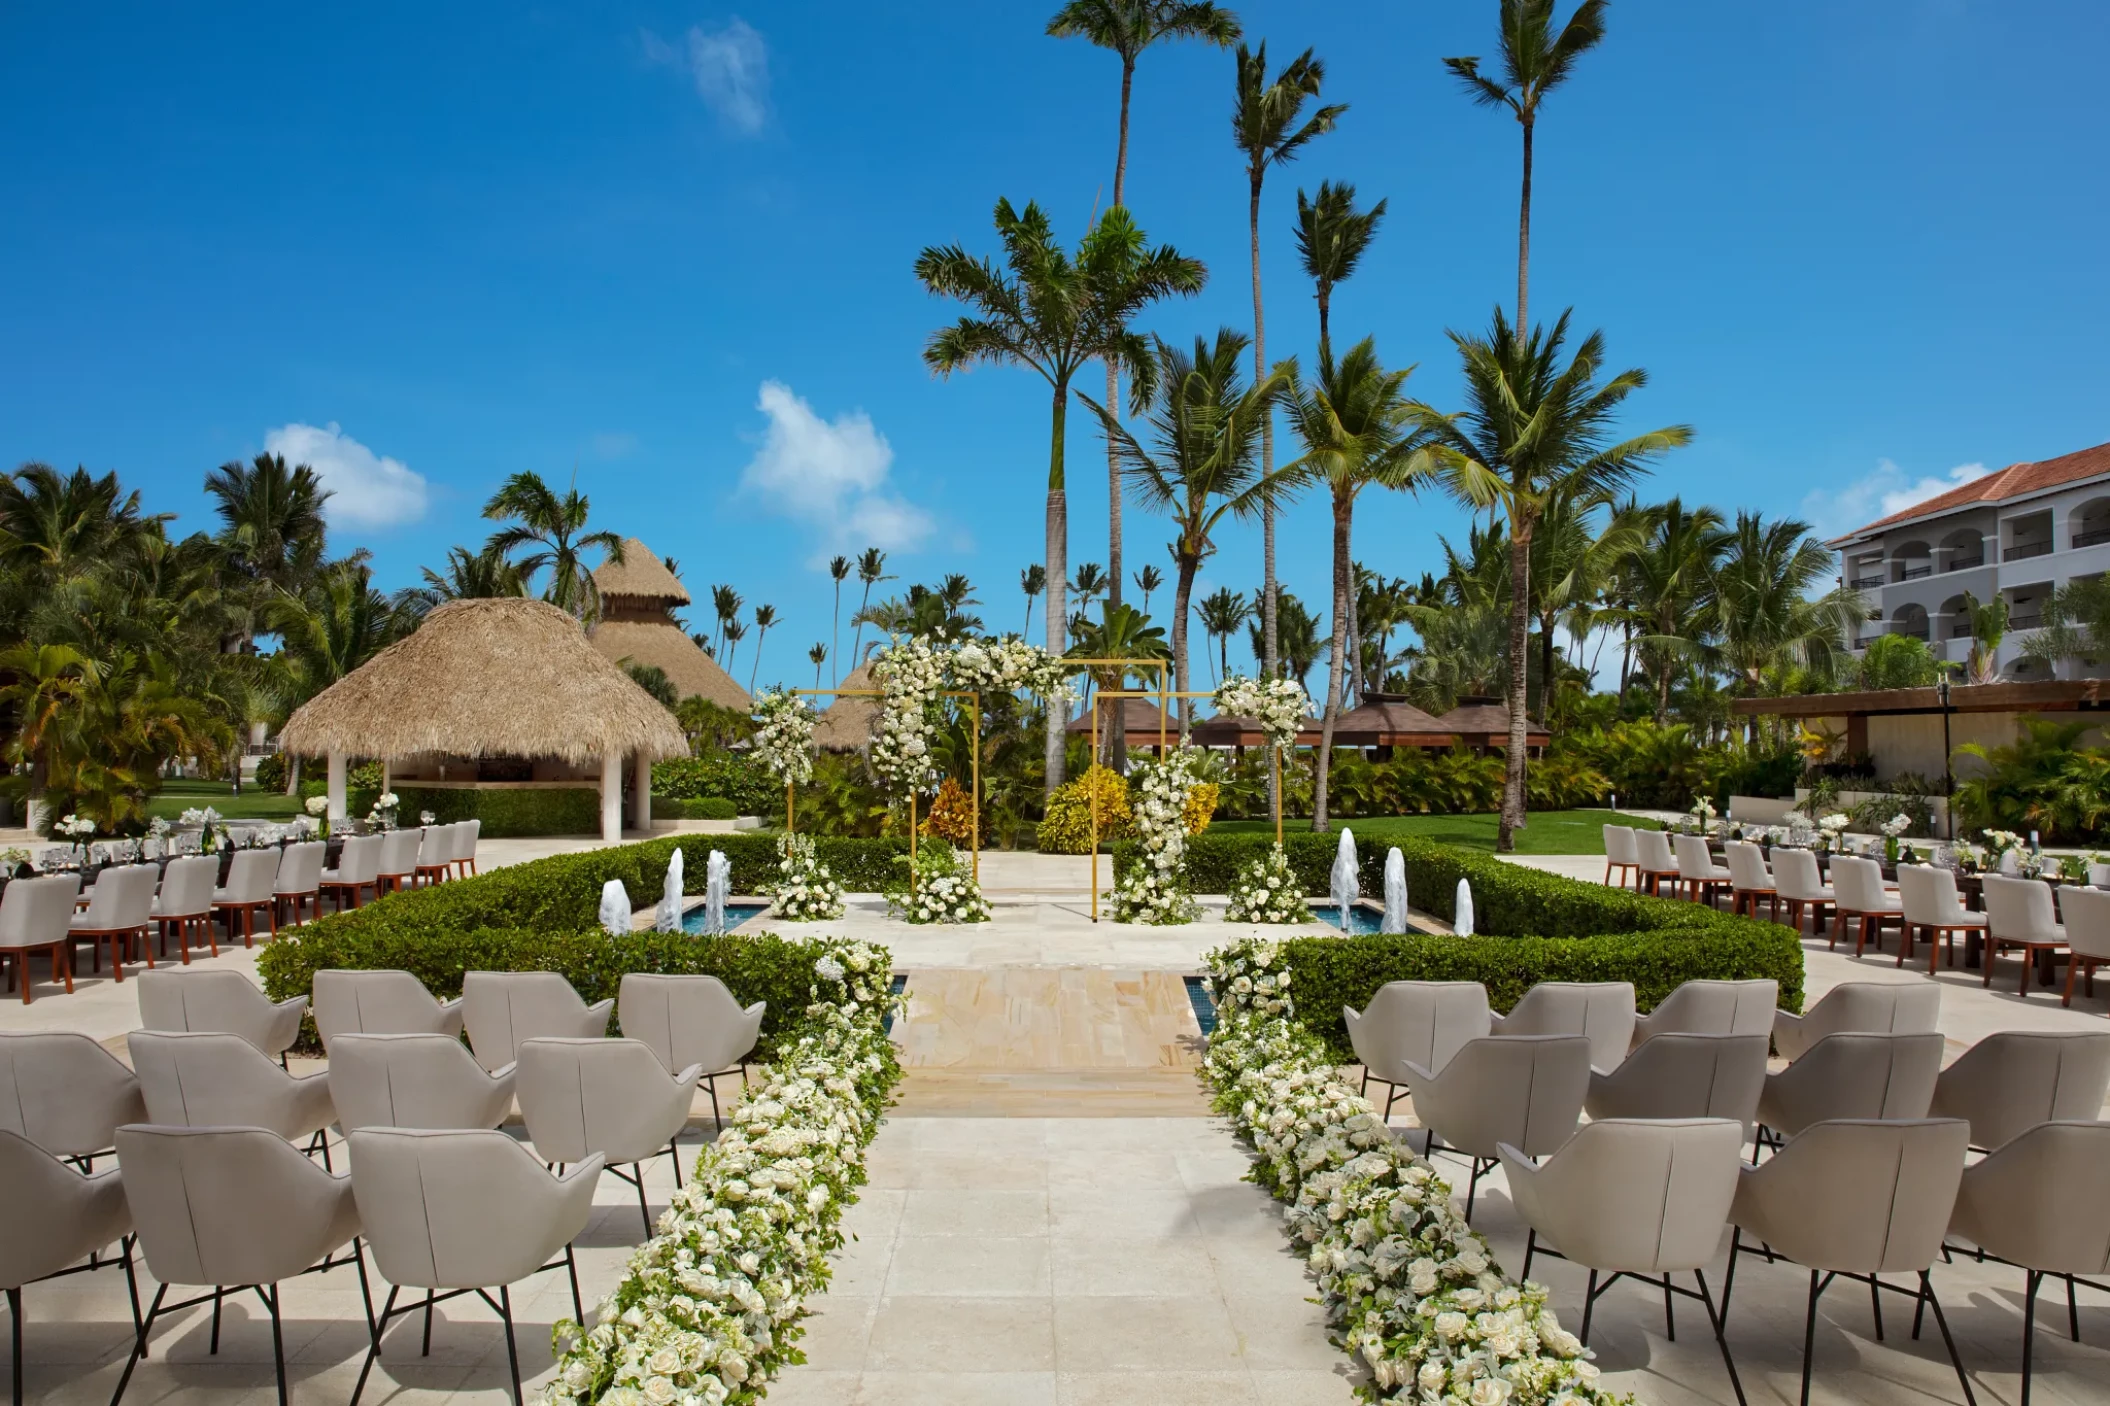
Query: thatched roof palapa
641	575
637	627
848	724
487	678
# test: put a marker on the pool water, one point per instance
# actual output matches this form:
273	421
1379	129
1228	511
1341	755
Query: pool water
1362	919
735	915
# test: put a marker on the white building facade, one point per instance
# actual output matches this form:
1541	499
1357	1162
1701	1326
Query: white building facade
2018	533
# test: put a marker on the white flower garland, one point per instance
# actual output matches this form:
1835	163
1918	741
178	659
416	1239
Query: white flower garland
1154	890
1407	1286
709	1309
1267	891
783	740
807	892
912	675
1280	705
1009	666
947	898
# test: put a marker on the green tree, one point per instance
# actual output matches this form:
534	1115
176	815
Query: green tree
338	623
1122	632
40	685
1668	576
1759	612
1898	661
56	526
1053	313
765	618
838	572
871	570
469	576
1332	237
553	527
1148	579
725	605
1988	625
817	656
1222	612
1032	580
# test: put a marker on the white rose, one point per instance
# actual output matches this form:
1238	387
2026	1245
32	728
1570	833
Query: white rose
1489	1391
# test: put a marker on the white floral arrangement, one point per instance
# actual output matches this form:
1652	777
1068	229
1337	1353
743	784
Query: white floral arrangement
1009	666
1267	891
74	827
1702	815
1998	843
1279	705
947	898
207	817
1897	825
1407	1286
383	815
1833	825
710	1308
806	892
912	675
1154	890
783	737
317	806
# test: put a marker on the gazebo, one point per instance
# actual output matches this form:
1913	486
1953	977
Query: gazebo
492	696
639	596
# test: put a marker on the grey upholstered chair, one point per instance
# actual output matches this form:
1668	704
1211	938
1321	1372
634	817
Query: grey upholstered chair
1850	1076
414	1081
2042	1203
1600	1011
504	1009
2087	913
1932	902
66	1093
611	1097
231	1208
358	862
1638	1198
458	1213
2009	1082
184	904
61	1216
1855	1199
1801	885
1703	878
689	1020
298	883
465	846
250	876
221	1081
1658	864
221	1001
1874	1007
120	913
380	1003
397	861
1422	1023
36	916
1749	880
1620	853
1712	1008
1862	894
1684	1076
2020	913
435	854
1523	1090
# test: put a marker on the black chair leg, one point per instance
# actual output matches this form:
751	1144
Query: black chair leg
505	1311
373	1345
1809	1336
571	1268
139	1345
2029	1327
278	1343
1531	1247
644	1209
2073	1310
1875	1302
14	1314
1736	1239
674	1156
131	1284
1589	1307
1670	1318
1719	1322
1941	1322
426	1350
216	1296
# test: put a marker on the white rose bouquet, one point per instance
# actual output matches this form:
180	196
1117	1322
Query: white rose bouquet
805	892
317	806
783	737
1280	705
1154	890
1267	891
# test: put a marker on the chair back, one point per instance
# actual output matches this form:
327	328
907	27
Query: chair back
2087	915
613	1097
1858	883
230	1205
65	1092
2009	1082
1874	1007
1854	1076
472	830
1654	848
379	1003
2020	908
222	1081
502	1010
38	911
1416	1022
1524	1090
462	1210
1866	1196
300	867
435	846
1637	1197
1709	1007
399	852
1796	875
2041	1201
1685	1076
249	877
222	1001
359	862
186	887
1930	896
414	1081
1747	866
1619	845
1695	860
1601	1011
688	1020
123	898
68	1214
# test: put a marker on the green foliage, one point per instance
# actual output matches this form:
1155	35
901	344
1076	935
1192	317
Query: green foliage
506	814
2044	780
736	776
1067	827
701	808
1898	661
271	772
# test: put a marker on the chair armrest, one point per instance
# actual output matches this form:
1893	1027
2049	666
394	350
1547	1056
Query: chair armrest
689	1078
451	1018
602	1010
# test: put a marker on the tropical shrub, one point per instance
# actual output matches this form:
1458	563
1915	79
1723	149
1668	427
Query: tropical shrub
951	815
702	808
1067	827
571	810
735	776
1898	661
271	772
2044	780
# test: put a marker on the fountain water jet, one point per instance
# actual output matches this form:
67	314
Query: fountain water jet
1344	886
668	918
1395	892
1462	921
717	880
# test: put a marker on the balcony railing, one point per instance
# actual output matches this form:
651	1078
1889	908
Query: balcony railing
1868	583
1913	632
2024	622
2022	551
1914	573
2093	537
1965	563
1958	629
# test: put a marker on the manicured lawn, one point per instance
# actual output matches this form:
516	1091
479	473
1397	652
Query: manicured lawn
1550	832
253	804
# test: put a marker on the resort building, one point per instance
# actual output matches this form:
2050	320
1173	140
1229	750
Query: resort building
639	596
2019	533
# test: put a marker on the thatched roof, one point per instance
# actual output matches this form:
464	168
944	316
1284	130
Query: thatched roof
484	678
847	724
1138	716
639	574
666	646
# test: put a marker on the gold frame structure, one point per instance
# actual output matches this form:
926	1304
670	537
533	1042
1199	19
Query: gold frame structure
974	709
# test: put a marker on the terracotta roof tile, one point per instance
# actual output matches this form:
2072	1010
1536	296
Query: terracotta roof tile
2014	481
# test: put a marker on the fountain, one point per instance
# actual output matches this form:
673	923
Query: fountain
1462	921
717	881
615	907
1395	892
1344	886
669	916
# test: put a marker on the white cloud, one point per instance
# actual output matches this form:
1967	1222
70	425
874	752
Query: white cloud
831	475
366	489
730	67
1887	490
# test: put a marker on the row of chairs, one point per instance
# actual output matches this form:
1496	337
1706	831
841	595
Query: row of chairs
199	1120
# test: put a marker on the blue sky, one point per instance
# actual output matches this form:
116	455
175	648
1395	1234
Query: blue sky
1858	247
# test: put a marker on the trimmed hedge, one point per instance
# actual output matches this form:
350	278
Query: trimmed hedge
505	814
701	808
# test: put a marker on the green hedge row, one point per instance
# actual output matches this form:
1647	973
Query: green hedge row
505	814
699	808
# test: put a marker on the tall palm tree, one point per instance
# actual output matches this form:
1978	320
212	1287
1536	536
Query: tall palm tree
553	525
765	616
838	572
1534	432
1088	584
271	516
469	576
1221	613
734	633
1202	465
1127	28
1666	577
338	623
1332	237
1759	610
56	526
1988	625
1053	313
1148	579
817	656
725	605
1535	61
1032	580
1359	430
1264	126
1298	635
43	685
1123	632
871	570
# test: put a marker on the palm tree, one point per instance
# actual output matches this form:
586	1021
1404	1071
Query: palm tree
1123	632
338	623
1666	576
1202	466
1534	62
1032	581
1052	313
1332	237
1148	579
1222	612
1128	27
1297	634
871	570
1533	433
838	572
1759	612
725	604
1088	584
272	529
554	526
469	576
765	616
1264	126
734	633
58	526
44	684
1988	625
817	656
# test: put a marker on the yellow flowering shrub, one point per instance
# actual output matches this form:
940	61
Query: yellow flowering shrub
1067	828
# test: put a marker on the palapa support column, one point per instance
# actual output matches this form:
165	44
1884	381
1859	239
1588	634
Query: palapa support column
339	777
641	793
612	798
